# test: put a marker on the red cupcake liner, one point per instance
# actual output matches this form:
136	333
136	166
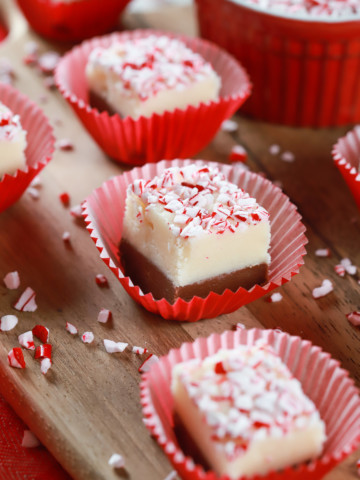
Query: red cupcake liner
175	134
304	71
322	379
104	211
71	22
346	155
40	145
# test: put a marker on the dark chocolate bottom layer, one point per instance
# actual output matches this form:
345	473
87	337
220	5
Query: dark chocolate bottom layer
150	279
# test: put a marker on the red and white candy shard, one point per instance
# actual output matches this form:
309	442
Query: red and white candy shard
240	326
36	182
340	270
29	440
116	461
26	302
325	289
229	126
71	328
323	252
65	199
76	211
287	157
66	236
101	280
45	365
16	358
104	315
275	297
41	332
33	193
26	340
148	362
8	322
238	154
114	347
349	267
354	318
12	280
87	337
43	351
139	350
48	61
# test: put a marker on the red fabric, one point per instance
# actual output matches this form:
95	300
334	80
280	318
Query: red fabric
17	462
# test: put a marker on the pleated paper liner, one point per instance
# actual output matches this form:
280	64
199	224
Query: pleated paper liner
71	22
175	134
346	155
288	59
322	379
104	211
39	150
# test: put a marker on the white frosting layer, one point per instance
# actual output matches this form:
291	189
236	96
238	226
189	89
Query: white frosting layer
246	412
194	225
12	142
149	75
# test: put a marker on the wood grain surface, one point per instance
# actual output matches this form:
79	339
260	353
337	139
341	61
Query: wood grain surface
87	407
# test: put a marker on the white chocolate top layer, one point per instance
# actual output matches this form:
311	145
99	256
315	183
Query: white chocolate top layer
193	224
246	411
150	75
12	141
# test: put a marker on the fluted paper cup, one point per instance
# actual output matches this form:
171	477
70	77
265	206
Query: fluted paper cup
40	145
104	211
303	68
346	155
322	379
73	21
173	134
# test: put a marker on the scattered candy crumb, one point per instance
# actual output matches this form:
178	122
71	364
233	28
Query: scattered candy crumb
101	280
354	318
349	267
238	154
323	252
29	440
325	289
87	337
147	363
66	237
45	365
26	340
116	461
65	199
26	302
36	182
114	347
240	326
275	297
65	145
48	61
104	315
41	332
139	350
274	149
287	157
43	351
33	192
229	126
16	358
8	322
340	270
76	211
71	328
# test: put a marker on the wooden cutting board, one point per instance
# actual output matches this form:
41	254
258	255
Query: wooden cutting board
87	407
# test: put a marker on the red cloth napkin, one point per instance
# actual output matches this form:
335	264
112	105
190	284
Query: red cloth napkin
17	462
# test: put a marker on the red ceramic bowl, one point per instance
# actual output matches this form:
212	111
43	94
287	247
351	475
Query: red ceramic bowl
322	379
173	134
346	155
74	21
304	71
39	150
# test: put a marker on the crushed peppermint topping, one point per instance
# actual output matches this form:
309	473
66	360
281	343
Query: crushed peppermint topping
87	337
26	340
245	395
238	154
101	280
41	332
229	126
349	267
147	66
139	350
323	252
10	126
104	315
116	461
26	301
71	328
275	297
274	149
12	280
45	365
8	322
16	358
197	200
114	347
340	270
323	290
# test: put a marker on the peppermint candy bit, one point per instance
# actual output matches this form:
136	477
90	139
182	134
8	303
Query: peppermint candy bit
33	193
12	280
66	237
323	252
275	297
29	440
240	326
87	337
325	289
45	365
41	332
104	315
76	211
43	351
229	126
116	461
65	199
288	157
26	302
8	322
71	328
65	145
354	318
274	149
340	270
26	340
16	358
101	280
148	363
238	154
48	61
139	350
114	347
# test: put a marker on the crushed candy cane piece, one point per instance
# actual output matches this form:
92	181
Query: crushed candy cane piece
354	318
76	211
340	270
114	347
71	328
325	289
12	280
287	157
87	337
48	61
172	475
26	301
65	145
104	315
147	363
349	267
29	440
8	322
275	297
65	199
26	340
238	154
274	149
41	332
66	236
43	351
33	193
101	280
36	182
116	461
45	364
139	350
323	252
16	358
240	326
229	126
